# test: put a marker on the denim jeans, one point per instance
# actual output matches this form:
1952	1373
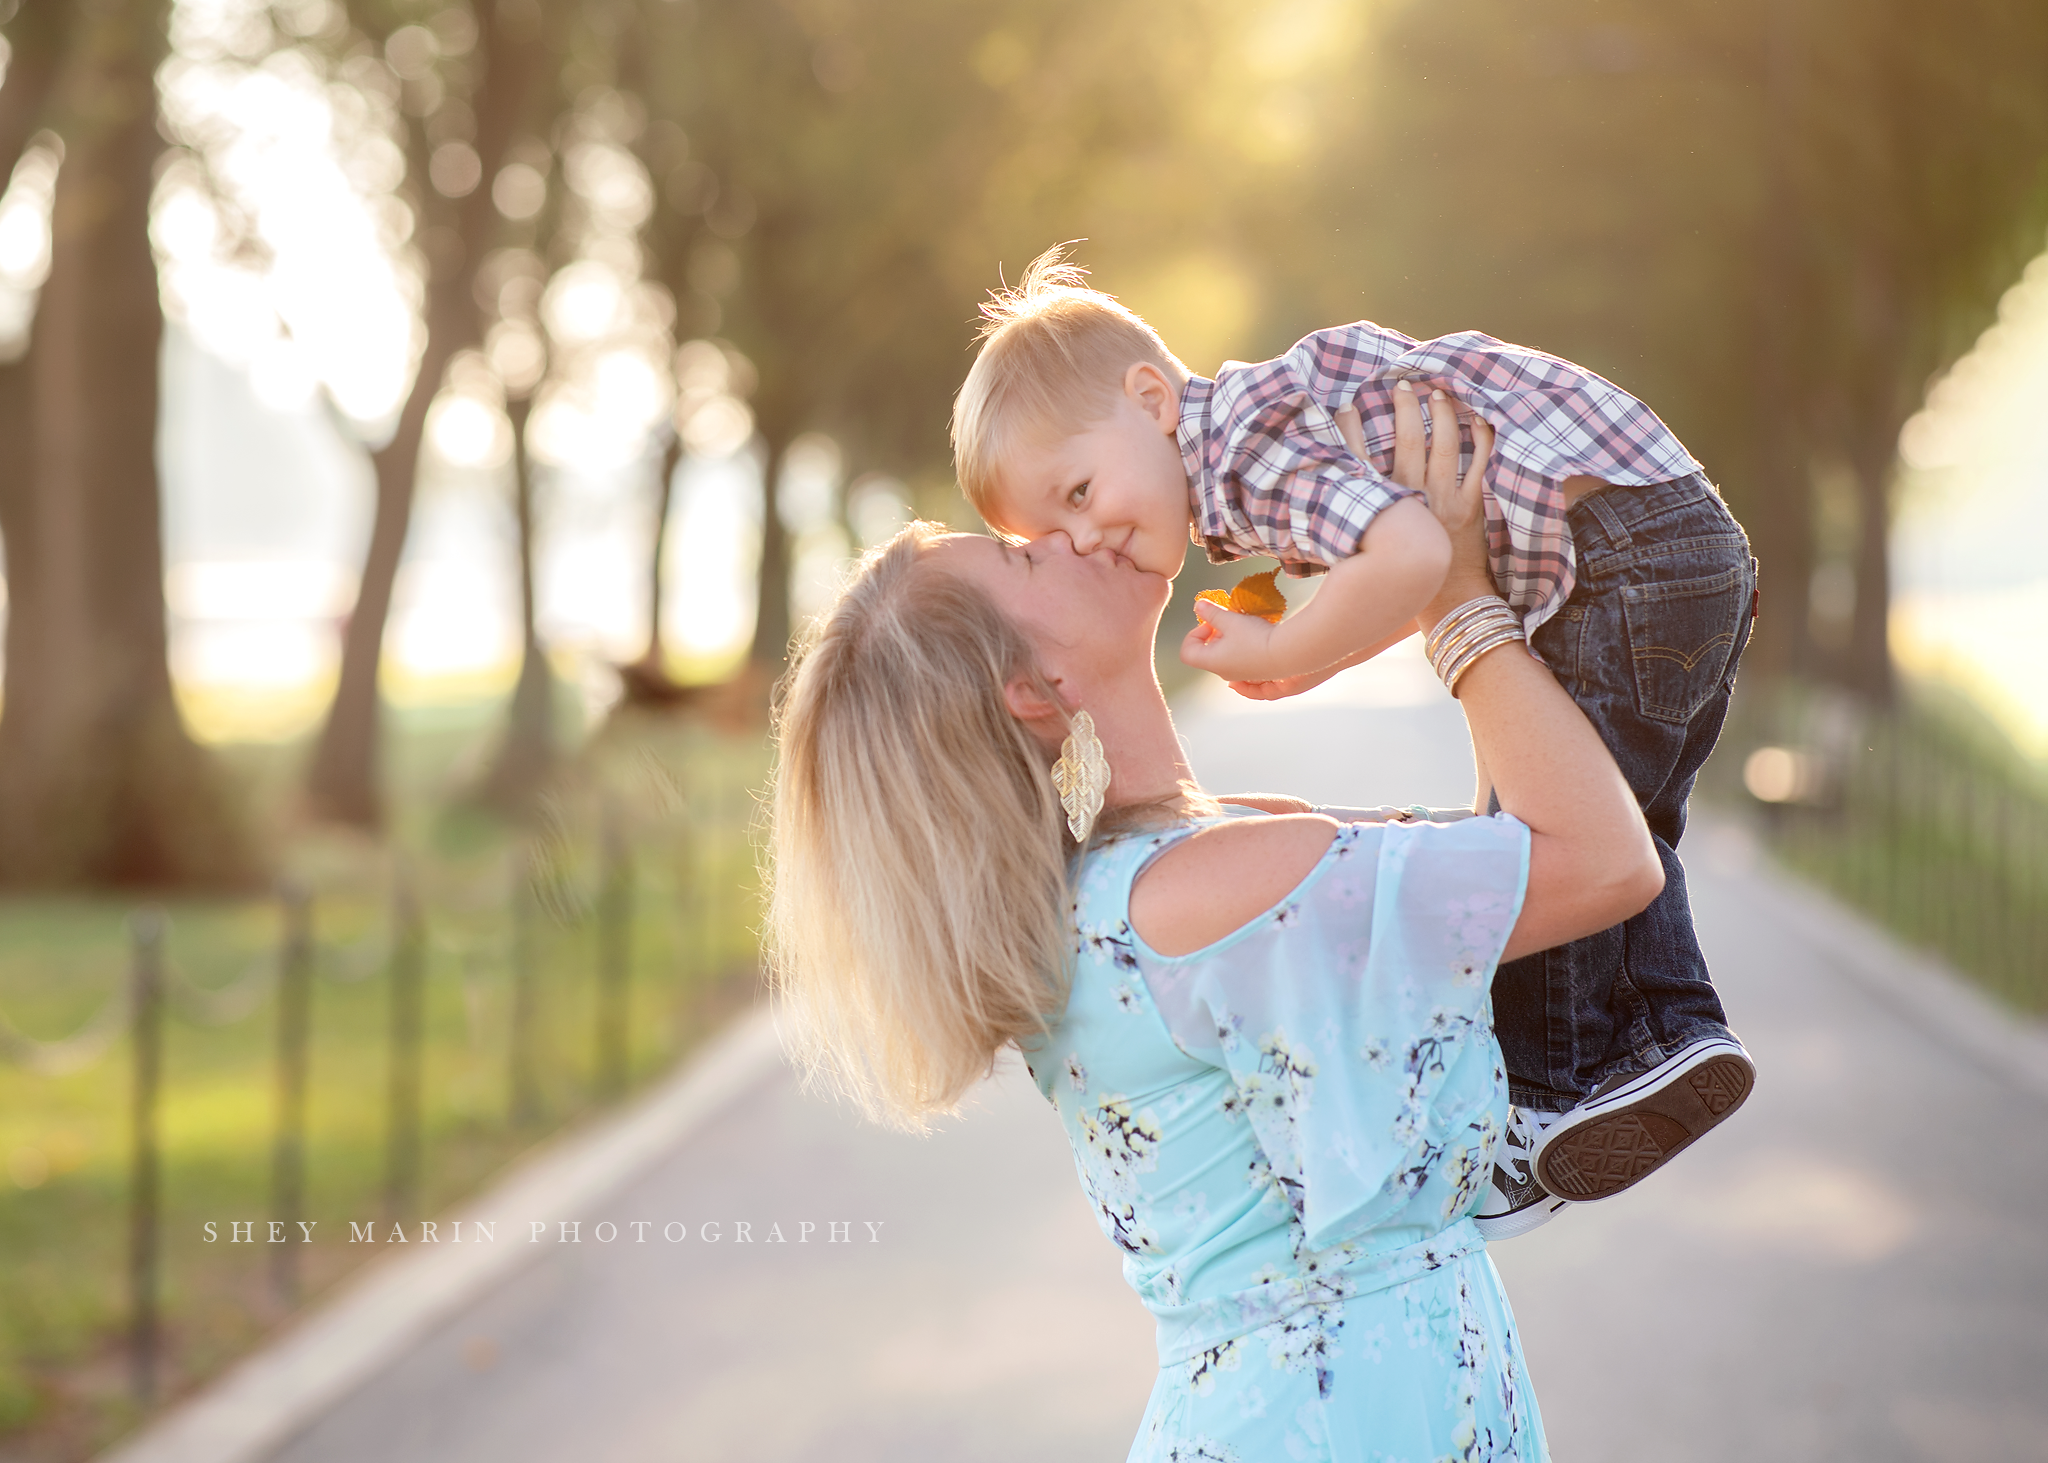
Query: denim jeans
1647	645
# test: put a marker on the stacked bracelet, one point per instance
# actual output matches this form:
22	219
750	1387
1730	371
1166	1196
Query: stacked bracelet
1468	632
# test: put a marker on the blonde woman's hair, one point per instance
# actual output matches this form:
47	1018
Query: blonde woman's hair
1053	358
917	913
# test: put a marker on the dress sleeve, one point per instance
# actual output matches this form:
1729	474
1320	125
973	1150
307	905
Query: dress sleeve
1341	1013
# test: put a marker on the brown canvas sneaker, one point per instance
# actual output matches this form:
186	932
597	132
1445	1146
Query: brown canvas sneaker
1514	1203
1635	1124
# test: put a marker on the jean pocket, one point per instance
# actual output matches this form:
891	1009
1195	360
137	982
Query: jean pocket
1680	638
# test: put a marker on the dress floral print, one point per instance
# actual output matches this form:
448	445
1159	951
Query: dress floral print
1284	1134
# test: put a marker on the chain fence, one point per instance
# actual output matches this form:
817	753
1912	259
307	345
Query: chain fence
1937	833
583	894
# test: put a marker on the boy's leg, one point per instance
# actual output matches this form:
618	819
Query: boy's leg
1648	646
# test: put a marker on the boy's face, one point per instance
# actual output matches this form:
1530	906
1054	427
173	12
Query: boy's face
1117	484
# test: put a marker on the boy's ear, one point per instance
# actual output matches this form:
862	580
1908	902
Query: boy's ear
1156	396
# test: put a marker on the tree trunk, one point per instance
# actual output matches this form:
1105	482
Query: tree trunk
1869	658
37	46
1877	416
343	779
519	772
645	682
342	783
655	657
1782	528
99	783
771	612
1881	384
35	39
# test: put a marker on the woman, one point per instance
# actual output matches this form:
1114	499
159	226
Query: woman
1268	1037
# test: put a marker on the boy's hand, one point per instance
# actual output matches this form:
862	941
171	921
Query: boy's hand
1225	643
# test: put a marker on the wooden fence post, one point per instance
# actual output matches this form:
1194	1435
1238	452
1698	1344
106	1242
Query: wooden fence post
408	1001
294	1026
523	1073
710	873
614	955
146	987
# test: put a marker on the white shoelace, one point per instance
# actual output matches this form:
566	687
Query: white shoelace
1518	1147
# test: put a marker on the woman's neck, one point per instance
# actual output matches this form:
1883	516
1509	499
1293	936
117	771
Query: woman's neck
1145	759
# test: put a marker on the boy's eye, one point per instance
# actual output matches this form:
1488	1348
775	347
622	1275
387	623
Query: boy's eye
1077	496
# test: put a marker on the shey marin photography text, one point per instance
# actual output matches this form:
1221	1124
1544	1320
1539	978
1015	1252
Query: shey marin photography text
547	1231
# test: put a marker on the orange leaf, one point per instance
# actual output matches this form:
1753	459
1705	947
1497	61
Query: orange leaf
1255	594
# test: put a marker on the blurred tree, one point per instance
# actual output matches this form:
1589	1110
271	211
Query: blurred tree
841	188
463	113
1771	219
517	775
35	45
1925	141
99	782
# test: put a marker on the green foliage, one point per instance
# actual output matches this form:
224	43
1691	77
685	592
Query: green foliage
1772	219
877	170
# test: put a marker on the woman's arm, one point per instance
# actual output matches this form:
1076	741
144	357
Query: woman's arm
1266	802
1591	861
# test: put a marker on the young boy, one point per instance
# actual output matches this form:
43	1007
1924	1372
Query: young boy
1625	569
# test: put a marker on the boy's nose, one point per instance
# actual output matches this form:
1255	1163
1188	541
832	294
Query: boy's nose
1085	537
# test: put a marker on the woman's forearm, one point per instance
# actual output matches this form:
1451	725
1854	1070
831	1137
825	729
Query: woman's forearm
1592	863
1547	765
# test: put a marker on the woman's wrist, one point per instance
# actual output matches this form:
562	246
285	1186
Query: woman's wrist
1476	628
1459	589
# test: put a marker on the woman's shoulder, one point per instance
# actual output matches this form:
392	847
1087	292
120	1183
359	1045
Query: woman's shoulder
1224	875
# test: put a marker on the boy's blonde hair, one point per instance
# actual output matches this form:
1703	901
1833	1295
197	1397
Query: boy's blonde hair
1053	357
917	914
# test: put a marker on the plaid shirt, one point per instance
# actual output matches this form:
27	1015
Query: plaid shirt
1269	473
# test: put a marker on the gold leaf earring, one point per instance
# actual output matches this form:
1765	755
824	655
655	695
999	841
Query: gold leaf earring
1081	775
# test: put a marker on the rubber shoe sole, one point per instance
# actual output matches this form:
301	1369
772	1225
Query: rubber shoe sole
1619	1138
1516	1222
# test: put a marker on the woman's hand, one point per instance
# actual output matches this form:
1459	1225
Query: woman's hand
1284	687
1458	503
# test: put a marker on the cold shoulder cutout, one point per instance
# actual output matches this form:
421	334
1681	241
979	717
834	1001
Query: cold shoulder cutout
1223	876
1284	1131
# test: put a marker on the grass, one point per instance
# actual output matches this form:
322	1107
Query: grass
679	796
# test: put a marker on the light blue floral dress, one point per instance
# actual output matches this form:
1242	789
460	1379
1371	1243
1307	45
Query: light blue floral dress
1283	1132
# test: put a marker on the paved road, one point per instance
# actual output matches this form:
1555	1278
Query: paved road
1855	1270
